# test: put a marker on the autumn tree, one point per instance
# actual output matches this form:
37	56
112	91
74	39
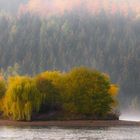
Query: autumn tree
2	88
2	92
80	91
87	92
22	98
49	94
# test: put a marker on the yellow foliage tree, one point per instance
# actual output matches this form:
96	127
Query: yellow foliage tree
2	91
81	91
113	91
86	92
22	98
49	93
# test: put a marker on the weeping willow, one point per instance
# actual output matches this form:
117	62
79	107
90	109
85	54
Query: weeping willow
22	98
2	92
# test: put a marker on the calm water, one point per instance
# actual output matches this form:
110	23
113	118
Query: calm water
54	133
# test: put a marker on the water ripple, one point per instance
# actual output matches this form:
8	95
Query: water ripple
54	133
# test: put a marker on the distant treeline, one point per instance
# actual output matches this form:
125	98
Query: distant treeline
109	43
81	93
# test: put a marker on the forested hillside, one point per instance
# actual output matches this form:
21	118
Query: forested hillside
107	42
11	6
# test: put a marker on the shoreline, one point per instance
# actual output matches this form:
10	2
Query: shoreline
71	123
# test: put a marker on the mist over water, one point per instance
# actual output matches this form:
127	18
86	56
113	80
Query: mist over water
130	115
131	111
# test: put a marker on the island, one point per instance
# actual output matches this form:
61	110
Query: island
59	97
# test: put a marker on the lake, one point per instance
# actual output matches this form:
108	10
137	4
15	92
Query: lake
55	133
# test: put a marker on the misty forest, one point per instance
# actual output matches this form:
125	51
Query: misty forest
32	42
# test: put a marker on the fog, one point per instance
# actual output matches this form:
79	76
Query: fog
11	6
130	115
49	7
131	111
45	7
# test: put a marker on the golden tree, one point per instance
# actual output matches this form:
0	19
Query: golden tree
22	98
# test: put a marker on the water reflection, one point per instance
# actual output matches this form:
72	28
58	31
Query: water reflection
54	133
